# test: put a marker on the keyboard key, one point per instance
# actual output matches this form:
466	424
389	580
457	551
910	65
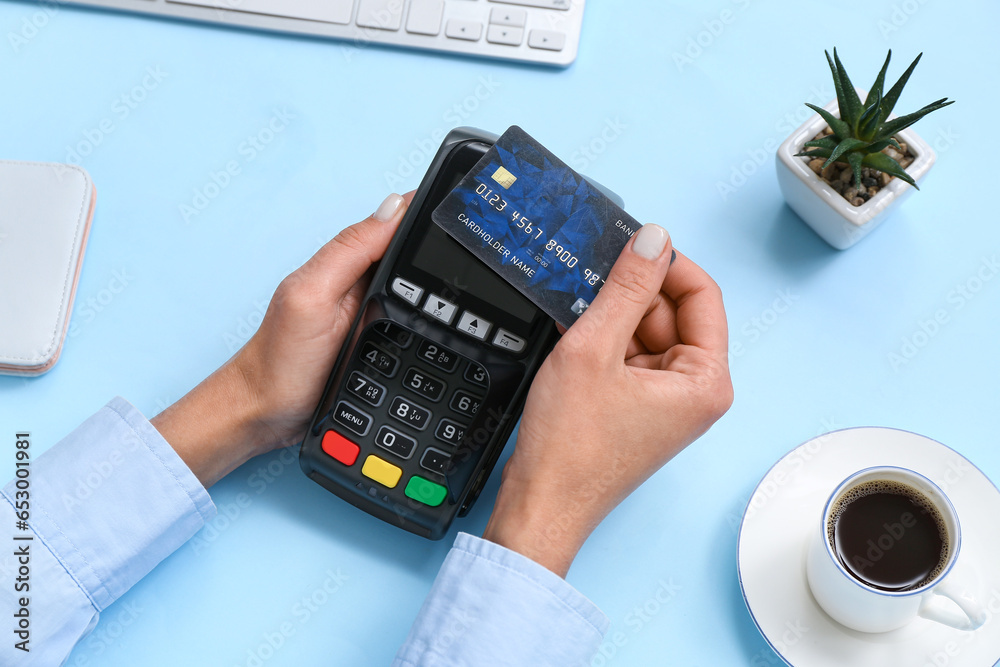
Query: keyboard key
468	30
501	34
379	359
508	16
351	418
509	341
549	40
381	471
426	385
394	333
380	14
392	440
328	11
366	389
449	431
439	356
409	413
435	460
465	403
440	309
425	491
544	4
476	374
407	290
425	17
475	326
340	448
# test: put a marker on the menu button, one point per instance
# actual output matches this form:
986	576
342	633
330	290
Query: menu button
351	418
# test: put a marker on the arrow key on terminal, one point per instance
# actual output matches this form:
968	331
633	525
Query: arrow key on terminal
440	309
473	325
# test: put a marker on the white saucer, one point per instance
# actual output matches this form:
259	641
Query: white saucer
785	508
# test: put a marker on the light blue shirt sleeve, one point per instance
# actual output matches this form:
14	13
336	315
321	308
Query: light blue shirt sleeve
113	499
492	606
107	503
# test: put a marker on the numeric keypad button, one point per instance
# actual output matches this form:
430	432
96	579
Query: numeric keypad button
409	413
450	432
438	356
424	384
379	359
366	389
465	403
394	333
476	374
393	441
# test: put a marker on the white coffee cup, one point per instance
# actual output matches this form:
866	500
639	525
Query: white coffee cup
861	607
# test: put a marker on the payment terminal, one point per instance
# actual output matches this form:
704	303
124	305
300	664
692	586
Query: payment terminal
434	373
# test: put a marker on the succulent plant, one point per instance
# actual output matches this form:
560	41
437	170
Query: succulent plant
863	131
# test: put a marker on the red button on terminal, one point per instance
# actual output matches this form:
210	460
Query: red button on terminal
340	448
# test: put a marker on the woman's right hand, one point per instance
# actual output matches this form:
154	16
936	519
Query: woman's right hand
642	374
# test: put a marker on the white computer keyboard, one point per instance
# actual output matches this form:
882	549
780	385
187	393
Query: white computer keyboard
537	31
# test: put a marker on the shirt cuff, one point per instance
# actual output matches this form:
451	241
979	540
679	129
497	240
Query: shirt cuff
492	606
112	500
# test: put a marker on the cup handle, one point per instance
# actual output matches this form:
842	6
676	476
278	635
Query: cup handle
935	609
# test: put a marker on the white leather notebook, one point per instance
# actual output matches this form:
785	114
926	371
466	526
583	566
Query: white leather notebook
45	214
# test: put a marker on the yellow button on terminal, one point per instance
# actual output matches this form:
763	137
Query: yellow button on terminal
381	471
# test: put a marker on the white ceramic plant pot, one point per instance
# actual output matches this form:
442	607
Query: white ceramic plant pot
823	208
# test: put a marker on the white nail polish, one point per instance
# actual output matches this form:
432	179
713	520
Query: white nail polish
387	209
650	241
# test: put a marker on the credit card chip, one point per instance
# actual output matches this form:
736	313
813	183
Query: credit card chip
504	177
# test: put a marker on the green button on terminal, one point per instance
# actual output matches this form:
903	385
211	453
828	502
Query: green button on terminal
425	491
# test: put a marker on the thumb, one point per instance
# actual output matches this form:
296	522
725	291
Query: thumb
346	258
634	281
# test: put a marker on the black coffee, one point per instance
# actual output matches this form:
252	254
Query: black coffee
889	536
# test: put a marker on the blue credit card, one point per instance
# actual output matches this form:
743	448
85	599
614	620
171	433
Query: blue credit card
539	224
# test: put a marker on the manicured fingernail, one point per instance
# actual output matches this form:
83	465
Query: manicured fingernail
650	241
673	256
387	209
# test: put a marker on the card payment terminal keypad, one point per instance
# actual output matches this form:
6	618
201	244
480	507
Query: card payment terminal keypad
402	390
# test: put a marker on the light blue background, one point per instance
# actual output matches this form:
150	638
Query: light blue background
672	132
